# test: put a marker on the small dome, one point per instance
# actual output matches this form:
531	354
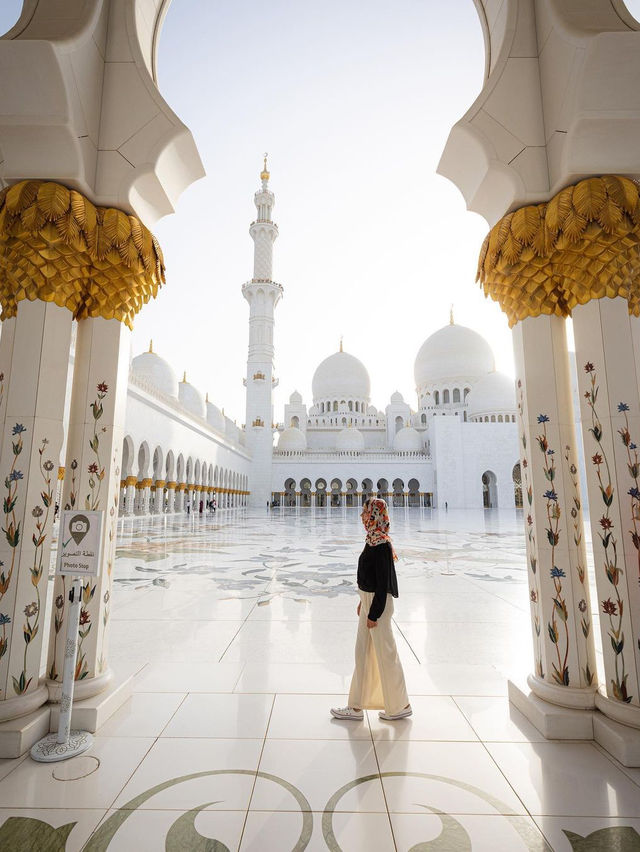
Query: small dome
191	398
156	371
397	398
215	418
453	352
341	376
349	439
292	440
295	398
494	394
407	440
372	410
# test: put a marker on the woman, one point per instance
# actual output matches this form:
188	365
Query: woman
378	679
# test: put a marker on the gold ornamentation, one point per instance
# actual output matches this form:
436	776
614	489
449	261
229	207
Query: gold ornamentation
264	174
55	245
581	245
131	480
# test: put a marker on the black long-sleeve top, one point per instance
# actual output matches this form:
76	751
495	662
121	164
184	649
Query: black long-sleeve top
377	573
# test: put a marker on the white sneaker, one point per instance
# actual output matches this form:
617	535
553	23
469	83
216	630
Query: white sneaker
347	713
390	717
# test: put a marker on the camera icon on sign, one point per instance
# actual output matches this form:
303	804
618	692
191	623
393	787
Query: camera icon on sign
79	526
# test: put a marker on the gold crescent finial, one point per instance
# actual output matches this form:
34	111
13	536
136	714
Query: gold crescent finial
184	377
341	343
264	174
451	316
151	346
206	396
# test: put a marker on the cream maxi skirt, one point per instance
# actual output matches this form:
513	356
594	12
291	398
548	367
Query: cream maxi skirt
378	679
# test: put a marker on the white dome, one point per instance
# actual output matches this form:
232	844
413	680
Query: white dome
215	418
191	399
493	394
453	352
350	439
156	371
295	398
397	398
407	440
341	376
293	440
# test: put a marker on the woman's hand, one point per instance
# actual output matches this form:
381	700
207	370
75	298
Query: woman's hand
371	624
359	605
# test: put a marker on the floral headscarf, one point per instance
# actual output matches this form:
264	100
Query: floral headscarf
375	516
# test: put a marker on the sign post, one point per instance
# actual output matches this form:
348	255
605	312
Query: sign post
79	546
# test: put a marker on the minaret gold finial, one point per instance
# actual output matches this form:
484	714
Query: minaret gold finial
264	174
206	396
451	316
184	377
151	346
341	343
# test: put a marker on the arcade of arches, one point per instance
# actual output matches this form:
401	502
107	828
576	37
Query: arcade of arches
170	481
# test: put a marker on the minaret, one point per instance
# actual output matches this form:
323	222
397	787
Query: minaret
263	294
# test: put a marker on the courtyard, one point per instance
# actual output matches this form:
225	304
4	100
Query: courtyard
238	629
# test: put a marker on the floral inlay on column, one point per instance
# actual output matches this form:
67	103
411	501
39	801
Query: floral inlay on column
96	468
72	491
585	619
613	609
559	611
633	466
534	586
11	527
33	609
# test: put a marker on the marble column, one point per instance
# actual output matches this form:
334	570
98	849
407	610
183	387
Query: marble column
32	390
171	496
179	497
6	354
610	414
565	670
129	507
145	496
96	435
122	500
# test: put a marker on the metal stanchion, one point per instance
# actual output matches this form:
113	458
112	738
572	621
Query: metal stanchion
66	743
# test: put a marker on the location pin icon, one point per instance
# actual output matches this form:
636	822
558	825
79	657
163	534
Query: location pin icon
78	527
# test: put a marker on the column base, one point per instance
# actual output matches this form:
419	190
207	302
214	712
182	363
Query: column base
563	696
82	688
553	722
23	705
18	735
92	712
621	741
618	711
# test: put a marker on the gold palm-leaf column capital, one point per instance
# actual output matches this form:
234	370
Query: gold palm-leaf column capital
583	244
55	245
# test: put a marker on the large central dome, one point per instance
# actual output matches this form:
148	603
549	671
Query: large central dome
453	352
341	376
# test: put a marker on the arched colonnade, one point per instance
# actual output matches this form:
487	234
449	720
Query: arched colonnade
335	492
168	481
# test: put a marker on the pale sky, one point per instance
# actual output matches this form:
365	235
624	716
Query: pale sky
353	101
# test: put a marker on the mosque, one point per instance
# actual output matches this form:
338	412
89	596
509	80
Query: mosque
457	448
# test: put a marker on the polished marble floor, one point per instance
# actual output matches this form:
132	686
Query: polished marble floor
239	629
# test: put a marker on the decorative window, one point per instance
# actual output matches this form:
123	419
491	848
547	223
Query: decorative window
456	394
259	377
445	397
258	422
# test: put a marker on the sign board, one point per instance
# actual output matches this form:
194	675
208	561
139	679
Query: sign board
79	543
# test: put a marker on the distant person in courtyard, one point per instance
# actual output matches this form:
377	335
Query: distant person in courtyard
378	680
188	506
446	506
